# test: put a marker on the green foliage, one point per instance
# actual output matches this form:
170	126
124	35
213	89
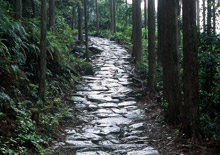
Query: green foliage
209	84
19	101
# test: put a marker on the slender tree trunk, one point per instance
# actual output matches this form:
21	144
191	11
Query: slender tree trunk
170	60
145	17
86	29
73	17
18	9
204	16
214	17
51	14
179	2
111	16
132	33
33	8
159	29
80	37
190	52
151	46
43	55
114	17
137	33
126	4
198	15
209	24
97	16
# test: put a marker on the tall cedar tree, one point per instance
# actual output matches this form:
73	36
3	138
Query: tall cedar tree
203	15
51	14
214	17
137	32
97	16
170	60
159	29
18	9
145	17
80	36
112	16
209	20
198	15
33	8
73	17
43	55
190	52
86	29
151	46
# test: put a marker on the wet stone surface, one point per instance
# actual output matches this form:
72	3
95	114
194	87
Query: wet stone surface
112	122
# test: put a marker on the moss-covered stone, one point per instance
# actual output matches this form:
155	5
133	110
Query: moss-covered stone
87	68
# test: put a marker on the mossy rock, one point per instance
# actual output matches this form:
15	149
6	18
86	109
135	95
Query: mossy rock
87	68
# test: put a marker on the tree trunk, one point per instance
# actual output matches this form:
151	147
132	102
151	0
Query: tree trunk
43	55
198	15
114	17
126	4
137	33
97	16
111	16
18	9
179	2
209	24
51	14
159	29
145	17
214	17
80	37
33	8
73	17
151	46
170	60
204	16
190	52
86	29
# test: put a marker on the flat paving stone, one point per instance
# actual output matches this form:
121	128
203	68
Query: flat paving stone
108	105
146	151
113	121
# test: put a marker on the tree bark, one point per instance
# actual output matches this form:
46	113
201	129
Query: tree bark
126	6
209	24
114	17
18	9
73	18
51	14
80	37
214	17
111	16
137	32
33	8
204	16
190	52
145	17
170	60
159	29
86	29
198	14
42	82
151	46
97	16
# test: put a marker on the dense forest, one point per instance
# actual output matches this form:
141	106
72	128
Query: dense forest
46	49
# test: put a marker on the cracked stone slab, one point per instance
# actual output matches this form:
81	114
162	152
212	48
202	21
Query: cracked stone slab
146	151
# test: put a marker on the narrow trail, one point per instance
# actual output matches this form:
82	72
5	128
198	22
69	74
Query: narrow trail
112	121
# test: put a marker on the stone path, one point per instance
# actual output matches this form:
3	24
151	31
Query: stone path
113	123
